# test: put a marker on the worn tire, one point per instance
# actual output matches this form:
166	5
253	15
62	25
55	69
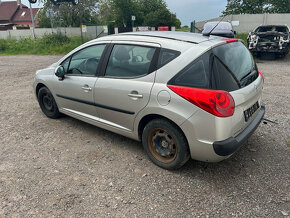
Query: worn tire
47	103
176	140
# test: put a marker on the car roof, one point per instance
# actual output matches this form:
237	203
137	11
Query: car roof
172	35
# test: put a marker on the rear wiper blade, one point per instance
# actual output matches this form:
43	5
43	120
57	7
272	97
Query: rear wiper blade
247	75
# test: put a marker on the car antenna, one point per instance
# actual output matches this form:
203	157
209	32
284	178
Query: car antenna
208	34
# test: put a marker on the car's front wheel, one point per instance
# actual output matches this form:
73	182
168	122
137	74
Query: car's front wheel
165	144
47	103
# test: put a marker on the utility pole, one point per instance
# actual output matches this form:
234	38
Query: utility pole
32	19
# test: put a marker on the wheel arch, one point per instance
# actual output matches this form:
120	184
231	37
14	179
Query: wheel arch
38	87
147	118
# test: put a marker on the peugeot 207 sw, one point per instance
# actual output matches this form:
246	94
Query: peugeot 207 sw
182	94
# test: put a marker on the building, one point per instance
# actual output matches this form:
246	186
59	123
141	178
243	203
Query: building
15	14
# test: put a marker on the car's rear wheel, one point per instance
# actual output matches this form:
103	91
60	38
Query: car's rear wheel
165	144
47	103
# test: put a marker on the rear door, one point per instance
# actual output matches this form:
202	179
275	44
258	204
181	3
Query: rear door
125	85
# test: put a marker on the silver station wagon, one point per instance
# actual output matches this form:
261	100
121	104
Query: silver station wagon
182	94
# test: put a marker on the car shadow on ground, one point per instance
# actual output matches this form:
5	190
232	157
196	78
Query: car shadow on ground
228	169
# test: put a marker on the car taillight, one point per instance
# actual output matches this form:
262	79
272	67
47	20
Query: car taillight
217	102
261	75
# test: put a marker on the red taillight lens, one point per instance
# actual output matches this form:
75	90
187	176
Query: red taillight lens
261	75
217	102
230	40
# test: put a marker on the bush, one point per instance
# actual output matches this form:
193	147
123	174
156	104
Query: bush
3	45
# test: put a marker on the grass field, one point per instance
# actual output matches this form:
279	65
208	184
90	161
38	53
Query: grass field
47	45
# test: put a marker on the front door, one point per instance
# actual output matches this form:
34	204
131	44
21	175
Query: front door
75	93
125	87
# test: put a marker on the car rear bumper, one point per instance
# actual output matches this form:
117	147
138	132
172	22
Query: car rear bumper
230	145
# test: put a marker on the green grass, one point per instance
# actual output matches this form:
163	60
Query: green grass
288	143
47	45
184	29
242	36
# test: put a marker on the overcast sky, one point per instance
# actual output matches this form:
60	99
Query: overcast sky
188	10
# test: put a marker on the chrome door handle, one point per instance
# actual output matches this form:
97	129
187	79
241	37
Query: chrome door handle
135	96
87	88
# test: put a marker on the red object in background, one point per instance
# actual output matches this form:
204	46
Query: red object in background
163	28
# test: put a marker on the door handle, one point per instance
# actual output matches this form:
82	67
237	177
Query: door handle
135	95
86	88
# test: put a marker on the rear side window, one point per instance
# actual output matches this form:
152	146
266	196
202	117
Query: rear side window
196	74
129	61
166	56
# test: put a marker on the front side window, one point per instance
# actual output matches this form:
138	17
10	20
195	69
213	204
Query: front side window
129	61
86	61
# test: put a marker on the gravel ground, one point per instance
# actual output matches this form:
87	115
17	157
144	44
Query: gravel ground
69	168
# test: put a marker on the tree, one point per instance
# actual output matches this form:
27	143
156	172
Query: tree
147	12
112	12
257	6
67	14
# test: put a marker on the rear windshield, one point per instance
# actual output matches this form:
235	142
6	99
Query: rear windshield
227	67
238	61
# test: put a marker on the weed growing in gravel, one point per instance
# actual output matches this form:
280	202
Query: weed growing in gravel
47	45
243	36
288	143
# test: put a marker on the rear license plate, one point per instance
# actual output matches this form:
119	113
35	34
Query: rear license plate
249	112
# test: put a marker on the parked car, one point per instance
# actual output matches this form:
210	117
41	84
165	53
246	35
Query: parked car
182	94
217	28
270	39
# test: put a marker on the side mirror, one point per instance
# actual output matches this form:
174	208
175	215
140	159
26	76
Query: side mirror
60	72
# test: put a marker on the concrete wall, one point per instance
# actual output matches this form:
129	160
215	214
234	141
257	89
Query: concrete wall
92	32
248	22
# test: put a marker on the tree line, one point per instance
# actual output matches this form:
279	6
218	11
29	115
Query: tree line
109	12
257	6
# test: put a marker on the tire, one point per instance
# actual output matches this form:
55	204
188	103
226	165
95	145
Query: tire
47	103
165	144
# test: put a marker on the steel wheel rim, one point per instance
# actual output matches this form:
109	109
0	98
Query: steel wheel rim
48	102
162	145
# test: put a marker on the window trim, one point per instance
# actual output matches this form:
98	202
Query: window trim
152	67
99	65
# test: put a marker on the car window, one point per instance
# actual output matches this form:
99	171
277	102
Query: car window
195	74
166	56
237	58
129	61
85	61
223	78
65	64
